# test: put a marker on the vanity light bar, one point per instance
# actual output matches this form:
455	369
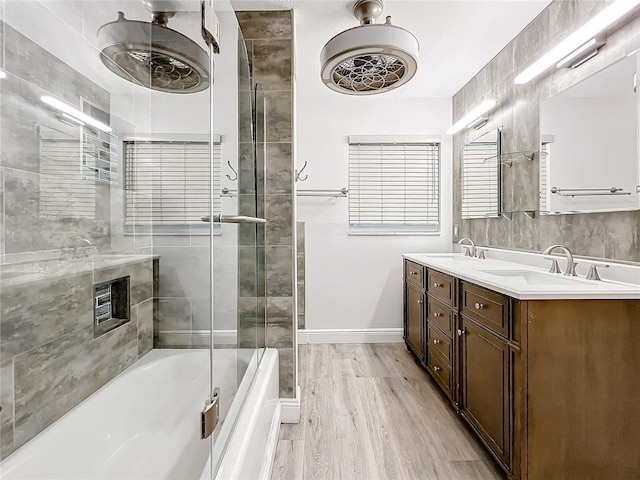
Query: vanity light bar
75	113
582	54
473	116
578	38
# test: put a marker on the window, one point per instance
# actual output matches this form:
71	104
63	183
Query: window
167	183
394	185
480	179
545	190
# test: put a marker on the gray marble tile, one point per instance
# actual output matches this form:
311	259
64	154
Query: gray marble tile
7	402
279	168
279	271
272	64
55	377
38	312
273	24
279	115
622	238
200	313
287	372
279	307
246	169
279	332
144	320
279	230
301	268
184	272
300	235
173	314
247	272
140	279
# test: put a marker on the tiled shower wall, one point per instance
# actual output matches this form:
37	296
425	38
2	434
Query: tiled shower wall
610	235
49	358
269	40
301	274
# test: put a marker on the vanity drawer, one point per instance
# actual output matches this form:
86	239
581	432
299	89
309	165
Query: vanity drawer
440	343
441	316
441	373
414	273
440	286
488	308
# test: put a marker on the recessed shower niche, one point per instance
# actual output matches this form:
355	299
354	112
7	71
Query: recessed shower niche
110	305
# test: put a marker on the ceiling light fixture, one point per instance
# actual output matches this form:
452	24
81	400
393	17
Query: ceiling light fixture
370	58
75	113
474	115
578	38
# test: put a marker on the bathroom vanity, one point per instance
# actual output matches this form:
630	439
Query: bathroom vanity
543	367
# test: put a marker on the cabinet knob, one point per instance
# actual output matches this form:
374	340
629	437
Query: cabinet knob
437	285
420	301
478	306
460	332
436	314
436	341
413	273
436	368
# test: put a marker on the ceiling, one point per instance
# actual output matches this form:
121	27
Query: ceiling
457	37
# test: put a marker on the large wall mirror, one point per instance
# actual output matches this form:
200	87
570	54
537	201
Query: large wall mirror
481	176
590	160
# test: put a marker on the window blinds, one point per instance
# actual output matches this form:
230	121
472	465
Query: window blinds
394	186
544	177
480	185
167	183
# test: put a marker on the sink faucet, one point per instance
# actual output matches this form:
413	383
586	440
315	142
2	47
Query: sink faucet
470	247
571	267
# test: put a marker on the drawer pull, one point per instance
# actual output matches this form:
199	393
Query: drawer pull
460	332
437	285
413	273
436	341
436	314
479	306
420	301
436	368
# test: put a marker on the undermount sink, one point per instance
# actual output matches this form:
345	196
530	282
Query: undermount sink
533	278
453	256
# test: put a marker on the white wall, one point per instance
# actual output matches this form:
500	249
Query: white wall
354	282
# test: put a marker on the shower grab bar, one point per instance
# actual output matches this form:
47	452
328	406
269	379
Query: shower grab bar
233	219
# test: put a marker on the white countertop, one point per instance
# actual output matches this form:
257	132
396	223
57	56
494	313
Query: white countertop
512	279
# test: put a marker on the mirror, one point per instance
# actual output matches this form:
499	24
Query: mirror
589	158
481	176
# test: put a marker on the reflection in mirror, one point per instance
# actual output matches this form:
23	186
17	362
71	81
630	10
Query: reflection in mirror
590	159
481	176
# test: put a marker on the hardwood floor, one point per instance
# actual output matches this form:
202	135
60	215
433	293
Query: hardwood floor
369	412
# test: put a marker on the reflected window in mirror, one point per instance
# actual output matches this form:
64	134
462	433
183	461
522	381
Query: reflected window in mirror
589	144
481	176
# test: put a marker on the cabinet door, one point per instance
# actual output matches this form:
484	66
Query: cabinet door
414	320
485	386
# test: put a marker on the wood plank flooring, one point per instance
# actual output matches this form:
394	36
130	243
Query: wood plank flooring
369	412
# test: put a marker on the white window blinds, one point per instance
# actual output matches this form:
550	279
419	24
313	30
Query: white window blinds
480	183
394	187
544	177
167	183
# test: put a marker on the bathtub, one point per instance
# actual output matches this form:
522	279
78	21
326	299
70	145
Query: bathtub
145	424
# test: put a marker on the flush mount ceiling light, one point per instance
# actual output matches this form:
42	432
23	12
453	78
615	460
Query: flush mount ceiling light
371	58
474	118
578	39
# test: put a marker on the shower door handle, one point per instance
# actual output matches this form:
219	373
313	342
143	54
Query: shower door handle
233	219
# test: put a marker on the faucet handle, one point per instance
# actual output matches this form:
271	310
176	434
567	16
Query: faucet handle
555	268
480	253
593	270
467	250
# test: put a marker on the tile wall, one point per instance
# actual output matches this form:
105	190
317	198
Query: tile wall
607	235
269	40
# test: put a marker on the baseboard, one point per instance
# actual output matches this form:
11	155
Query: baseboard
356	335
290	408
272	444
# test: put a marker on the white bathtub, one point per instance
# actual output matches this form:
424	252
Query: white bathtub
145	424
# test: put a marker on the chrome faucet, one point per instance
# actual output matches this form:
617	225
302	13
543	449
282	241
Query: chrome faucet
470	247
571	267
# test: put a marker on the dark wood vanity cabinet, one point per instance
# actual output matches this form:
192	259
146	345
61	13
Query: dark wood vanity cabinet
550	387
414	311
